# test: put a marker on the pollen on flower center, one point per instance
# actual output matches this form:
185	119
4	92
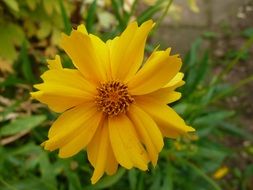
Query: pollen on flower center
113	98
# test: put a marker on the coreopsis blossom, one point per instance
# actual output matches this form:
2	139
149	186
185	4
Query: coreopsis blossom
112	104
221	172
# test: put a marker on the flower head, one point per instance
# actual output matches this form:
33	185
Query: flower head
112	104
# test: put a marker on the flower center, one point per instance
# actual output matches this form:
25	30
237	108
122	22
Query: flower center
113	98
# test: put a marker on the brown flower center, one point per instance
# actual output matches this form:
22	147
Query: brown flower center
113	98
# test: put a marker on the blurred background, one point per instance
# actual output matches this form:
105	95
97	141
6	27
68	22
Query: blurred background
215	41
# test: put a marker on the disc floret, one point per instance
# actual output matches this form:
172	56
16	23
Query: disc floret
113	98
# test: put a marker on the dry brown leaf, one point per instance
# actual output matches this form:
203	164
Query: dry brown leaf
13	138
5	66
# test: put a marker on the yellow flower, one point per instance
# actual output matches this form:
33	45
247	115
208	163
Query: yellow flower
113	106
221	172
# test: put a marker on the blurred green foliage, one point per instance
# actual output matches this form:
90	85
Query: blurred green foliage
29	32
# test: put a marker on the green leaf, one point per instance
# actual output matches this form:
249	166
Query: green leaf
91	16
210	35
235	130
12	4
46	170
74	181
201	173
31	182
213	155
22	124
140	184
11	35
31	4
213	118
44	30
11	108
207	123
48	6
191	57
248	171
10	81
157	179
26	65
66	21
208	95
148	13
196	74
132	176
248	33
117	8
27	149
168	178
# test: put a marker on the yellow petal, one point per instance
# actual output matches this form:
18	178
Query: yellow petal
125	143
63	89
167	94
157	71
102	153
180	83
69	78
81	50
175	80
69	125
164	95
93	146
81	28
93	149
101	50
112	164
127	50
55	63
148	131
57	103
82	137
169	122
157	52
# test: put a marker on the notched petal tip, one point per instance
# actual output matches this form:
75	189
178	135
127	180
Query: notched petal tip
38	87
42	144
149	22
81	28
143	168
32	95
36	95
46	145
94	179
62	154
55	63
63	35
158	70
168	50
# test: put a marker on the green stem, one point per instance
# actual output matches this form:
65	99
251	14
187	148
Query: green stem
230	66
133	8
216	79
7	184
236	86
203	175
243	82
161	18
